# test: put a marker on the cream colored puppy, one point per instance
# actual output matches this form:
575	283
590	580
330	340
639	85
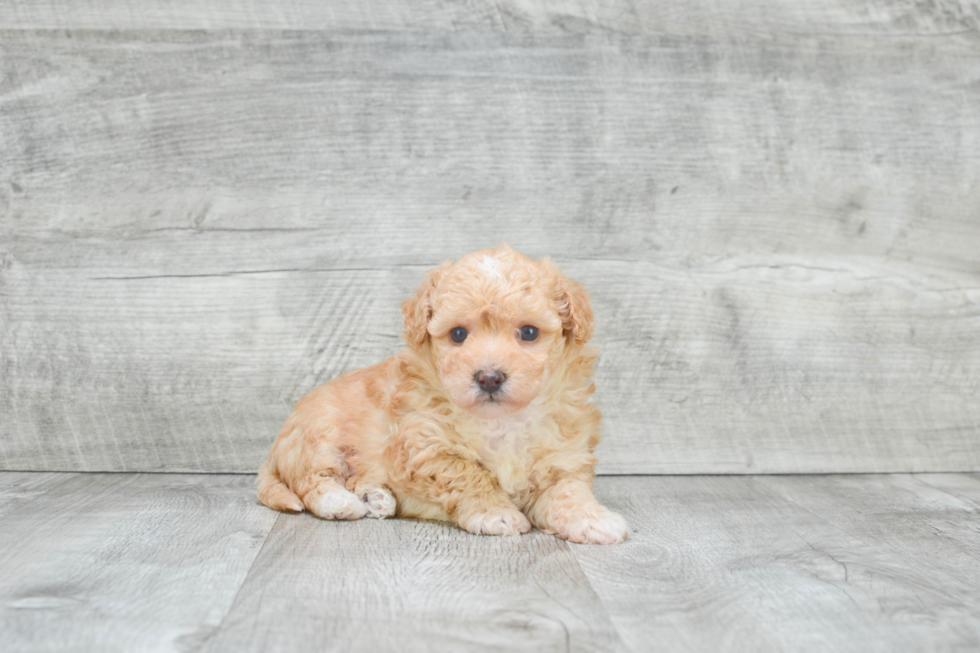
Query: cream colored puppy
484	420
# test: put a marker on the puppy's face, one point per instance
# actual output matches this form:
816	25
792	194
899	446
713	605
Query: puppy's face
493	324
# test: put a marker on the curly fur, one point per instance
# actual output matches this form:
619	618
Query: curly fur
415	436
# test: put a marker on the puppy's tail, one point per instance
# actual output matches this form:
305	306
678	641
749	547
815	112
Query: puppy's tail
274	493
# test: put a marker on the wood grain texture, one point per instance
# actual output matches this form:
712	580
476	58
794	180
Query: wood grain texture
125	562
963	486
752	17
208	211
17	488
412	586
780	563
888	510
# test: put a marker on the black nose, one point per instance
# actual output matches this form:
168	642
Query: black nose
490	380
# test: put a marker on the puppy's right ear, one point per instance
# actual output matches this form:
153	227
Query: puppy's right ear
418	310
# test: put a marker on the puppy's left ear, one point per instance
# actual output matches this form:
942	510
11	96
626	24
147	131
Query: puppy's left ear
418	310
577	319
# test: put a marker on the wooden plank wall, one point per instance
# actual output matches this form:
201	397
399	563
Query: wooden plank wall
208	208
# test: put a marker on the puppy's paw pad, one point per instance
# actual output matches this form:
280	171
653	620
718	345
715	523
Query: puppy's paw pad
340	504
501	521
379	502
605	528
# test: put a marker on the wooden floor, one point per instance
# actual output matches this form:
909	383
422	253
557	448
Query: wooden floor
146	562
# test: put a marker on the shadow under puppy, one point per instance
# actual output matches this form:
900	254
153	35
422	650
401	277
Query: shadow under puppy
483	420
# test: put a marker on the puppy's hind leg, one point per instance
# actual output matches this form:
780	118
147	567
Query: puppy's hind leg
274	493
328	499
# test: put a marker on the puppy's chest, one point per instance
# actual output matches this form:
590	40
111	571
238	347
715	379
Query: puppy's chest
505	446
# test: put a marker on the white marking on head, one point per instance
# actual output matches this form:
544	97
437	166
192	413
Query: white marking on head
491	266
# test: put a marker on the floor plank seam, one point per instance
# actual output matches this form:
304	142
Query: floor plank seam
234	602
568	637
608	616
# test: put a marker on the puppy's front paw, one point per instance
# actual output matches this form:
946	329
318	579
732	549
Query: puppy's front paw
339	504
379	502
497	521
599	527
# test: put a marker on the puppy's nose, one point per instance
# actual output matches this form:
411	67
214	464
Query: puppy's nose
490	380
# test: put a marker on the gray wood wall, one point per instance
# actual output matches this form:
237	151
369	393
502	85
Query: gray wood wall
207	208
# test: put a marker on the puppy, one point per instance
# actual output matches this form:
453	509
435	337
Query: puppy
483	420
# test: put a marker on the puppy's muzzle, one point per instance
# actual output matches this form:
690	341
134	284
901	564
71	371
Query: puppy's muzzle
490	381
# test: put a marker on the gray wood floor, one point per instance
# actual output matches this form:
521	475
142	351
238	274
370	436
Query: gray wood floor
127	562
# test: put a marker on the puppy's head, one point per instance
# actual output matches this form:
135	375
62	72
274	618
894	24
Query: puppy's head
493	325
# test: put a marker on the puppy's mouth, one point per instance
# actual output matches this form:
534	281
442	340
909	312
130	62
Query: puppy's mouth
488	405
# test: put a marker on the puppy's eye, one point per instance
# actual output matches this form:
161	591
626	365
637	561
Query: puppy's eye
458	334
529	333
